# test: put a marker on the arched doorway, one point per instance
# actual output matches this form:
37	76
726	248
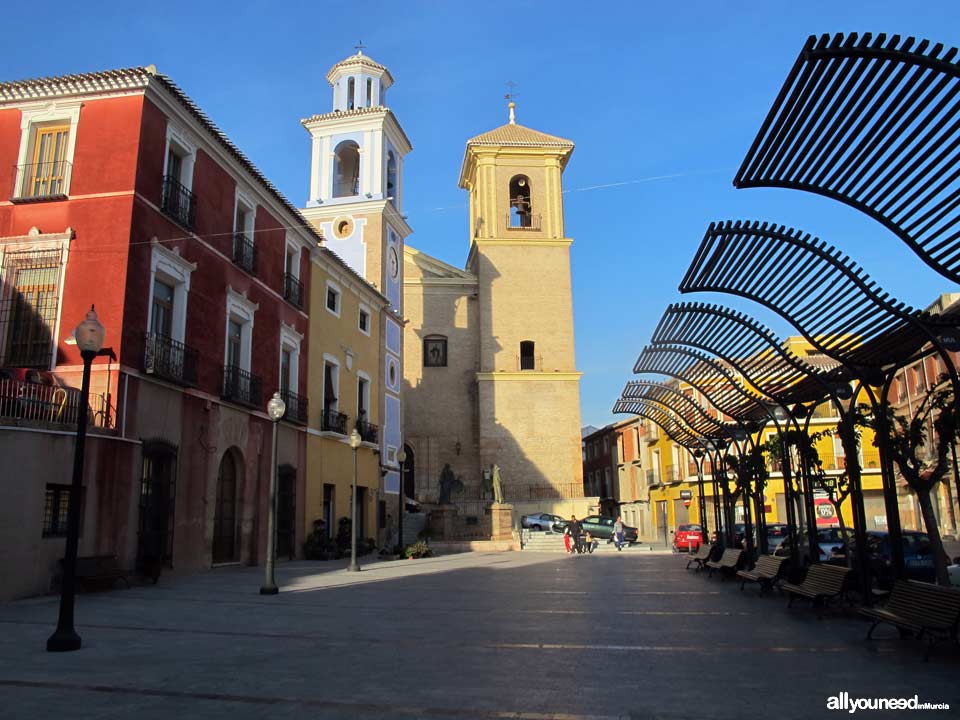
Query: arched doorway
409	485
225	514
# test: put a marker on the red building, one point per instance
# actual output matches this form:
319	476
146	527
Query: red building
123	194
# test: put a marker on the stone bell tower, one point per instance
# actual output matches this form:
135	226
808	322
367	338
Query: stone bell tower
528	387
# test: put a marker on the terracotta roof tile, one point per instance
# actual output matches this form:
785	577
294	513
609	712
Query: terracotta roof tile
360	59
518	136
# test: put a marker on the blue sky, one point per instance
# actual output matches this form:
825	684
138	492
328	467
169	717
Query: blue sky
661	99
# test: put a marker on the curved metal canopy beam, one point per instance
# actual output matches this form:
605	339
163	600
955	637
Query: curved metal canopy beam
746	345
689	410
715	381
674	430
815	287
874	124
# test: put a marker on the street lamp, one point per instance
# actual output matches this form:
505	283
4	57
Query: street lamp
355	441
90	335
275	409
402	456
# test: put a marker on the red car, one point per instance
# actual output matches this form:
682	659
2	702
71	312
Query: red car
688	537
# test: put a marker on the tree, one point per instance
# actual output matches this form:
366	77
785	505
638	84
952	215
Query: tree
921	467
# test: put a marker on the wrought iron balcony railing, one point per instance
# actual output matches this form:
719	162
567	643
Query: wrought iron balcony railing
523	222
240	386
42	403
170	359
368	431
244	253
178	202
292	290
671	474
333	421
296	411
42	181
653	477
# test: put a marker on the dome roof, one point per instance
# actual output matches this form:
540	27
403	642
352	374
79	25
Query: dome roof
518	136
364	61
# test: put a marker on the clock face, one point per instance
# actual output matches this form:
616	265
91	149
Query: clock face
394	263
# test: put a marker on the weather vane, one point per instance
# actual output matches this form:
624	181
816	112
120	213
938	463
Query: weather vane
360	47
511	95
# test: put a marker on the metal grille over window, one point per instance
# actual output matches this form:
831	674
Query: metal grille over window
435	352
28	310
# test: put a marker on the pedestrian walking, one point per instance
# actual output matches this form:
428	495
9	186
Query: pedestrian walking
618	533
575	532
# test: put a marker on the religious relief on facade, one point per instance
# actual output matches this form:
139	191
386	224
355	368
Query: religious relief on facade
449	484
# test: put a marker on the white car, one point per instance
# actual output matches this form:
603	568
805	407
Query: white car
540	521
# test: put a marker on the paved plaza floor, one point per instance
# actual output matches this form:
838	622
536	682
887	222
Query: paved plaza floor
512	635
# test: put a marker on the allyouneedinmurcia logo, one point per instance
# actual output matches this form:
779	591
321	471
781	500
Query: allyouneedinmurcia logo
843	702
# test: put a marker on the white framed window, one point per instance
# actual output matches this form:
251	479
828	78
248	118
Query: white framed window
363	396
238	343
290	341
333	297
179	156
168	290
32	270
244	214
363	320
48	137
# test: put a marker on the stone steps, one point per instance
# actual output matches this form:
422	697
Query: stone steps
552	542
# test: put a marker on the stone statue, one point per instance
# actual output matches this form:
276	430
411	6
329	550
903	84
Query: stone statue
449	483
497	484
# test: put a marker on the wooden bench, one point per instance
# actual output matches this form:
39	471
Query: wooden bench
919	608
765	572
700	557
822	581
728	561
99	568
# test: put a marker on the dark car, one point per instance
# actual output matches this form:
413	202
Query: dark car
918	558
776	534
602	528
829	541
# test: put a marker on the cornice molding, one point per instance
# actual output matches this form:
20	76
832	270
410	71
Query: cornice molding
529	376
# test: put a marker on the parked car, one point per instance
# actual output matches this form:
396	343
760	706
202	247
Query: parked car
687	537
601	528
829	541
918	558
776	534
539	521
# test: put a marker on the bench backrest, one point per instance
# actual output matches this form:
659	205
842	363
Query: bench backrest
926	604
826	579
768	565
703	552
731	557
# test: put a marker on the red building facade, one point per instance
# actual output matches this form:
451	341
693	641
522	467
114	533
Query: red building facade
124	195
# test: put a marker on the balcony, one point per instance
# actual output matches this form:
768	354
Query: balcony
368	431
524	222
530	362
49	404
168	359
333	421
42	181
241	387
671	474
296	411
244	253
653	478
178	203
292	291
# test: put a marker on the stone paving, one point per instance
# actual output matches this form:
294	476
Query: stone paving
513	635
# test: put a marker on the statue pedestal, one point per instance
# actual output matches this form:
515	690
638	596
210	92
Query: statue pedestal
441	520
501	525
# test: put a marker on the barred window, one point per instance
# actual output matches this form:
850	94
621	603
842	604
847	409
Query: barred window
28	308
56	510
435	351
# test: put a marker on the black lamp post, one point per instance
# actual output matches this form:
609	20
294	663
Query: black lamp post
90	335
402	456
275	409
355	441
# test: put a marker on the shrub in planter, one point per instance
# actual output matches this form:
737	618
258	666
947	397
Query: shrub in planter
318	546
419	549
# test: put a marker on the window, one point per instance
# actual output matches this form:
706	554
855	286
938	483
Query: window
363	397
56	510
333	298
178	199
346	169
527	357
392	188
290	341
351	89
234	342
29	309
285	370
244	247
435	351
369	92
161	321
332	419
239	340
45	160
292	287
364	321
520	207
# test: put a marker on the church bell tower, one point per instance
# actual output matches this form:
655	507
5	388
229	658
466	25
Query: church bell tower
528	388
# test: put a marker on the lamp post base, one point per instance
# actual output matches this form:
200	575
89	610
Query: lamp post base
353	568
269	590
63	641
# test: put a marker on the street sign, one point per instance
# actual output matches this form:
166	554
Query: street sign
686	494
